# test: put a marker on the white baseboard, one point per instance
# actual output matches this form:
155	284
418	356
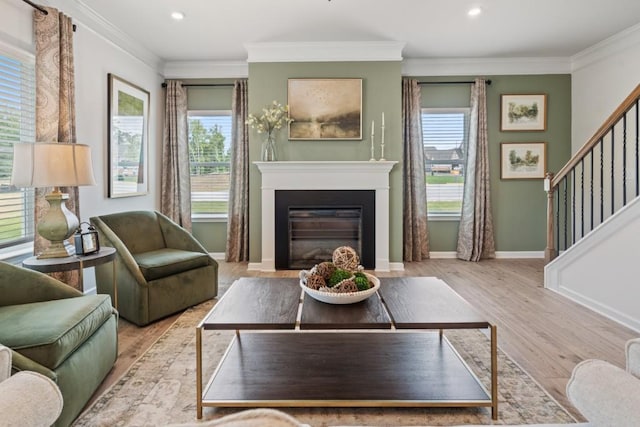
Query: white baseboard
603	309
217	255
499	254
519	254
396	266
442	255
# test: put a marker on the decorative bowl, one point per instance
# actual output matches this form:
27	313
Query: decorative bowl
339	297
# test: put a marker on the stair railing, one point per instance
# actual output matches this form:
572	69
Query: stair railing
600	179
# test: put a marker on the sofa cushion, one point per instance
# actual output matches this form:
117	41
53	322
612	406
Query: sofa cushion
49	332
167	262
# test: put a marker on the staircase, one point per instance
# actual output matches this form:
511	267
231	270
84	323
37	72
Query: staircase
593	220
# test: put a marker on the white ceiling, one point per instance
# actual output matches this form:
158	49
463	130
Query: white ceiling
217	30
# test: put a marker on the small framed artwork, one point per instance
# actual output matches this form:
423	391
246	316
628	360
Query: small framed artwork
128	124
523	160
523	112
325	109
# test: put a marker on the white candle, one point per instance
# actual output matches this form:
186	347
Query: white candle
383	119
373	126
372	149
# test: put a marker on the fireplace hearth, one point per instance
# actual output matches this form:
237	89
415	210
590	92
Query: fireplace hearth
309	225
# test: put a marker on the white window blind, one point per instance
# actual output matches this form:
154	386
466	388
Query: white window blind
209	155
444	137
17	124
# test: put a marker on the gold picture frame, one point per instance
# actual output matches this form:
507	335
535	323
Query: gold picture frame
523	113
325	109
523	160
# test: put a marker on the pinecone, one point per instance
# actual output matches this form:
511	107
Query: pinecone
325	269
347	285
315	281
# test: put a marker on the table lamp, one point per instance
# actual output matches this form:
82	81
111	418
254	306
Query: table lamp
51	164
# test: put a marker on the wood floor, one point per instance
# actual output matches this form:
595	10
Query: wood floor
545	333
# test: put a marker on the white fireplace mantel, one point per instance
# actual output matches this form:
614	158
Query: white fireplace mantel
325	175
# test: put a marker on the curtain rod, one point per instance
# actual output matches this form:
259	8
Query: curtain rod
35	6
204	85
451	83
45	11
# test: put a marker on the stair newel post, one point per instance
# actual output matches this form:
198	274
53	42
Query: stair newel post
550	251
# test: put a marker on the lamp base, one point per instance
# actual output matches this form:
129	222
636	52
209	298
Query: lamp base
57	226
58	250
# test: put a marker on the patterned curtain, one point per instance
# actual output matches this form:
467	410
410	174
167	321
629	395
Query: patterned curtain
475	235
416	233
175	182
55	107
238	223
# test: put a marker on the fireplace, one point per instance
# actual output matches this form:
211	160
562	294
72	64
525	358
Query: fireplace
310	224
325	175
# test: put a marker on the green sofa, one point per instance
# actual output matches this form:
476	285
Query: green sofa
160	267
58	332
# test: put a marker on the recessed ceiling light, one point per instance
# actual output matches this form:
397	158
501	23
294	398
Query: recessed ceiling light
474	11
178	16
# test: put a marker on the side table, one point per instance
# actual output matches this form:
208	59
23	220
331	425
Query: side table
76	262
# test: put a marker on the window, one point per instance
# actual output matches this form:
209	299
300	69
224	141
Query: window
210	153
444	136
17	124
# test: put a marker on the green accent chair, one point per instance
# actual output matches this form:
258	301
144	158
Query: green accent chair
160	267
57	331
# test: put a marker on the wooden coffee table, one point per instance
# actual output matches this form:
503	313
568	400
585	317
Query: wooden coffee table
296	351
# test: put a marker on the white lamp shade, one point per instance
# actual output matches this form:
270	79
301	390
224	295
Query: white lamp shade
51	164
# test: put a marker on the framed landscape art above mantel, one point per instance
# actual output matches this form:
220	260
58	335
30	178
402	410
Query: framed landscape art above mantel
325	109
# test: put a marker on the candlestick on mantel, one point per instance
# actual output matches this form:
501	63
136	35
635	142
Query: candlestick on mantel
372	159
382	140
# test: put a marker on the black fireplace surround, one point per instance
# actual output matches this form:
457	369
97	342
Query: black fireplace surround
330	203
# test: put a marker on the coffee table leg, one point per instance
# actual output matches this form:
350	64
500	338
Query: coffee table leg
494	372
199	372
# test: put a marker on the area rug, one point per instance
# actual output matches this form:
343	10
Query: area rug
160	388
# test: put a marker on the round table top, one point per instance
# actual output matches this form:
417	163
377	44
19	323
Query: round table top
74	262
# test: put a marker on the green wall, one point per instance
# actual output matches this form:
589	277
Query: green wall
519	206
381	91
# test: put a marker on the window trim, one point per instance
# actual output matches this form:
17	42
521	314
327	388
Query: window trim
443	110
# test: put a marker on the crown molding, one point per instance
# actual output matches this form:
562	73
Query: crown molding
324	51
206	69
485	66
84	15
612	45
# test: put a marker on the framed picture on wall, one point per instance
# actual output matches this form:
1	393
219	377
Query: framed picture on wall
523	112
128	124
325	109
523	160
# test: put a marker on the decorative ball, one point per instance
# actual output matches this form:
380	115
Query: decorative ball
345	257
315	282
325	269
346	286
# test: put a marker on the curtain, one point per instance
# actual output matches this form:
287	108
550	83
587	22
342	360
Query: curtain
475	235
55	107
175	181
415	231
238	218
